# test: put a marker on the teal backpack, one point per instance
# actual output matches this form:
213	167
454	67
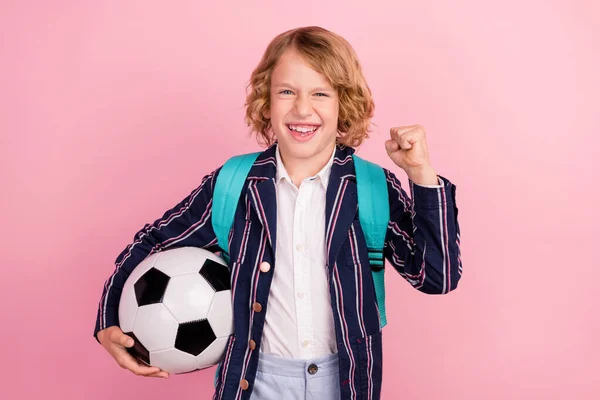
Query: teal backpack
373	210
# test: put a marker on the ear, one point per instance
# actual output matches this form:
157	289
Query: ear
267	114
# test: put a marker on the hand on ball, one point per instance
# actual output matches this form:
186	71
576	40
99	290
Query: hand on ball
115	342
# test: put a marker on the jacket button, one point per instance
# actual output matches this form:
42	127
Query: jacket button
244	384
252	344
265	266
257	307
312	369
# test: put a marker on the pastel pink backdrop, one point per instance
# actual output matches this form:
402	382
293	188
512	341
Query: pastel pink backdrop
111	112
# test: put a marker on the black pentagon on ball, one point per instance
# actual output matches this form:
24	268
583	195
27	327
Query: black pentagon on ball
138	350
150	288
195	336
217	275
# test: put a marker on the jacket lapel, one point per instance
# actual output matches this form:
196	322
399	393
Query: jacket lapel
341	201
262	192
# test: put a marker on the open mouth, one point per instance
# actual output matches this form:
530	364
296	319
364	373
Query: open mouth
303	132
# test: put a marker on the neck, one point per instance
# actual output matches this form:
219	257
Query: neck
299	169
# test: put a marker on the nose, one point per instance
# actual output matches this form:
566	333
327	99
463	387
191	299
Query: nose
303	107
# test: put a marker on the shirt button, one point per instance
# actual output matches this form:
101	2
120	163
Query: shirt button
299	247
305	343
265	266
252	344
257	307
300	295
244	384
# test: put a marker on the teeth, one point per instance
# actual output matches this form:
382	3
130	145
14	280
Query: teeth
303	130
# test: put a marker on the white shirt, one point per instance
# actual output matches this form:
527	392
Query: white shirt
299	321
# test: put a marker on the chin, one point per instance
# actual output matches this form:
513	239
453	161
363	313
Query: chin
297	150
303	150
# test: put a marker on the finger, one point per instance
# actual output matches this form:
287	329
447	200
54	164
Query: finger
406	140
391	146
115	336
399	130
138	368
161	374
127	361
123	339
402	140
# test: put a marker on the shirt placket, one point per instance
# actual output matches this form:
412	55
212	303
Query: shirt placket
302	271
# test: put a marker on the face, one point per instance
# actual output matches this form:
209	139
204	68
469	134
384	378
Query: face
304	110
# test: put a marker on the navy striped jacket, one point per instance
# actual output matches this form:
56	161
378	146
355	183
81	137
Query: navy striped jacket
422	244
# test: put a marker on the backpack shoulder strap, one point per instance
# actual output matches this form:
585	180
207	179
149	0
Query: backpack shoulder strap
226	194
374	215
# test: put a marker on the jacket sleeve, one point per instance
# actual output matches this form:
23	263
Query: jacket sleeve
189	223
423	235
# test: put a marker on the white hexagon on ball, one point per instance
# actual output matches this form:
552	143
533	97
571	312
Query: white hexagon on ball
155	327
220	316
128	307
173	360
188	297
142	268
185	260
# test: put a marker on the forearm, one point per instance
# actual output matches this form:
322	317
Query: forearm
423	235
436	260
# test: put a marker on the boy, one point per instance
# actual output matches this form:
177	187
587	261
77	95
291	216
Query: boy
307	325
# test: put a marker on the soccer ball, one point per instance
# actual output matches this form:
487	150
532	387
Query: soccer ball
176	305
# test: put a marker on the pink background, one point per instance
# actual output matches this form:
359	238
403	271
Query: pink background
111	112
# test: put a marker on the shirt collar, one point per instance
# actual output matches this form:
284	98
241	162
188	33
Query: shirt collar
322	175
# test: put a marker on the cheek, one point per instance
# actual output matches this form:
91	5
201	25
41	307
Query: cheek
278	111
331	112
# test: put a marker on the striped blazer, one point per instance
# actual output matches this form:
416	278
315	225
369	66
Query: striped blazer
422	244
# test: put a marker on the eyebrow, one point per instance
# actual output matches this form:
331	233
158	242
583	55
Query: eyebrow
285	84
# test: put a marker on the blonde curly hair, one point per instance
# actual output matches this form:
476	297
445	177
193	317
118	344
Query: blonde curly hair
328	54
